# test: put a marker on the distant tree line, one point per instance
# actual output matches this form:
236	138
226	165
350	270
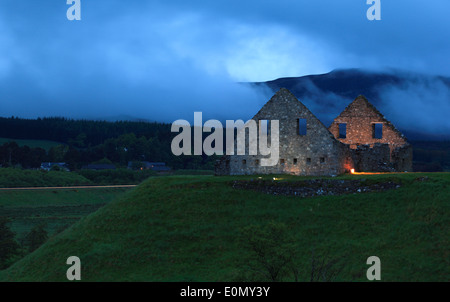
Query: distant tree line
84	142
431	156
79	133
12	155
87	141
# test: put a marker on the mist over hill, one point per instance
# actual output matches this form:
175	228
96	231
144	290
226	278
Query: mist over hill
417	104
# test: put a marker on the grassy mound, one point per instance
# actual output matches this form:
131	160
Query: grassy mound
116	177
55	209
13	178
189	228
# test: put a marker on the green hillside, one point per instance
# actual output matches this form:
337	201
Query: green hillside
14	178
55	209
194	228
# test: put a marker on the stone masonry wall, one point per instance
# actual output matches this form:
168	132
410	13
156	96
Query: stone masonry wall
372	159
321	151
316	153
402	158
222	166
359	117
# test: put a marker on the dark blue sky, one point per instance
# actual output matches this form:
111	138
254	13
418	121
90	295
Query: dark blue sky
163	60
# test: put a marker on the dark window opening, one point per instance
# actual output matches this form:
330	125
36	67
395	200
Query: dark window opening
322	160
378	131
301	126
295	161
282	161
257	162
343	130
244	162
308	160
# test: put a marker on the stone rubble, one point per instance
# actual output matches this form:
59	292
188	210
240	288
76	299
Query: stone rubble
314	187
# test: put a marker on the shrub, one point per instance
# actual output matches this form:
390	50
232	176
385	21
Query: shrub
36	237
8	245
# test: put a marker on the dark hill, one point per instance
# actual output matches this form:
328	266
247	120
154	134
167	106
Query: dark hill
345	83
399	95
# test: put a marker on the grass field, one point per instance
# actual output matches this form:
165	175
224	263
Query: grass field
190	228
44	144
13	178
56	209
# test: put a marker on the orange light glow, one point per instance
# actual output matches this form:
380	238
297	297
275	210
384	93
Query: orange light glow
352	171
374	173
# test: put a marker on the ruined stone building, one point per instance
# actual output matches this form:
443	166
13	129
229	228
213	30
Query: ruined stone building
360	138
375	143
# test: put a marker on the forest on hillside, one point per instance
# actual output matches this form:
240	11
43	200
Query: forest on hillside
84	141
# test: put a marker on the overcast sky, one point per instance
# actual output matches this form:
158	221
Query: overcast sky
163	60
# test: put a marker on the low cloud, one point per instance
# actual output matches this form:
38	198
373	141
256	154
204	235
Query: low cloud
421	104
162	61
325	105
161	68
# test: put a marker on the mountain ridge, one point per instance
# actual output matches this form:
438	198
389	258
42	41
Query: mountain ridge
398	94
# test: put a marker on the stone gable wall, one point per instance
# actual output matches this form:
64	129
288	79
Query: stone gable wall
360	116
316	153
